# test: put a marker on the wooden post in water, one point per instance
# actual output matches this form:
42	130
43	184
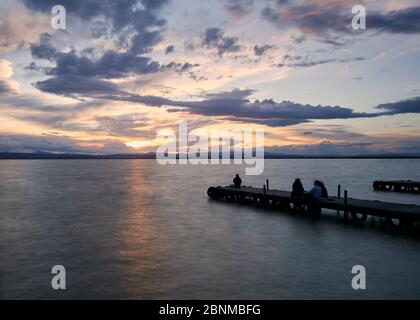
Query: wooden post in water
338	194
263	198
345	206
268	184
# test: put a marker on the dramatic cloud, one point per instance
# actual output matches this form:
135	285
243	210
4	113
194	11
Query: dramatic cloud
111	64
145	41
74	86
135	26
266	112
44	49
214	38
402	21
116	56
320	19
234	105
405	106
128	21
122	13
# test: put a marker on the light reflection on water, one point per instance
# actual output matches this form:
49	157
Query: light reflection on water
134	229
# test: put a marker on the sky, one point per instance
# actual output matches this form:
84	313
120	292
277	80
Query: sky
122	71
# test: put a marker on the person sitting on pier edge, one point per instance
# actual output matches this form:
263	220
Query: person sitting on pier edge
315	194
237	181
297	189
297	193
316	191
324	192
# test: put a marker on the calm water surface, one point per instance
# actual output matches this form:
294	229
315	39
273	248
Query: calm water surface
134	229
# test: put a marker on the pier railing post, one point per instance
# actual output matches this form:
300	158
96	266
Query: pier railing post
345	206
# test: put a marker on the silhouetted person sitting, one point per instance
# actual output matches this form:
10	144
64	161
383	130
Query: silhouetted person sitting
315	194
316	191
297	193
324	192
237	181
297	189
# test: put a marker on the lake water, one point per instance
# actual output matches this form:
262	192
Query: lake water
133	229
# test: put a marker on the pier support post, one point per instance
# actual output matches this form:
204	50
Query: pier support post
264	199
345	206
338	194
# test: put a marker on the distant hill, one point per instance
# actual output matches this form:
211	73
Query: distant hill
45	155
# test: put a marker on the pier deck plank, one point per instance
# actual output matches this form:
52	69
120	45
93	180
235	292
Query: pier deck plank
370	207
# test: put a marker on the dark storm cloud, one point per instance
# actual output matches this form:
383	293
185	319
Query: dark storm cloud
215	38
321	19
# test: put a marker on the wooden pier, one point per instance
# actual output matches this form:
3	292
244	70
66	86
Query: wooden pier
406	186
397	215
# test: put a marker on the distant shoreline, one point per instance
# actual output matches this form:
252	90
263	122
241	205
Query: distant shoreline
52	156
